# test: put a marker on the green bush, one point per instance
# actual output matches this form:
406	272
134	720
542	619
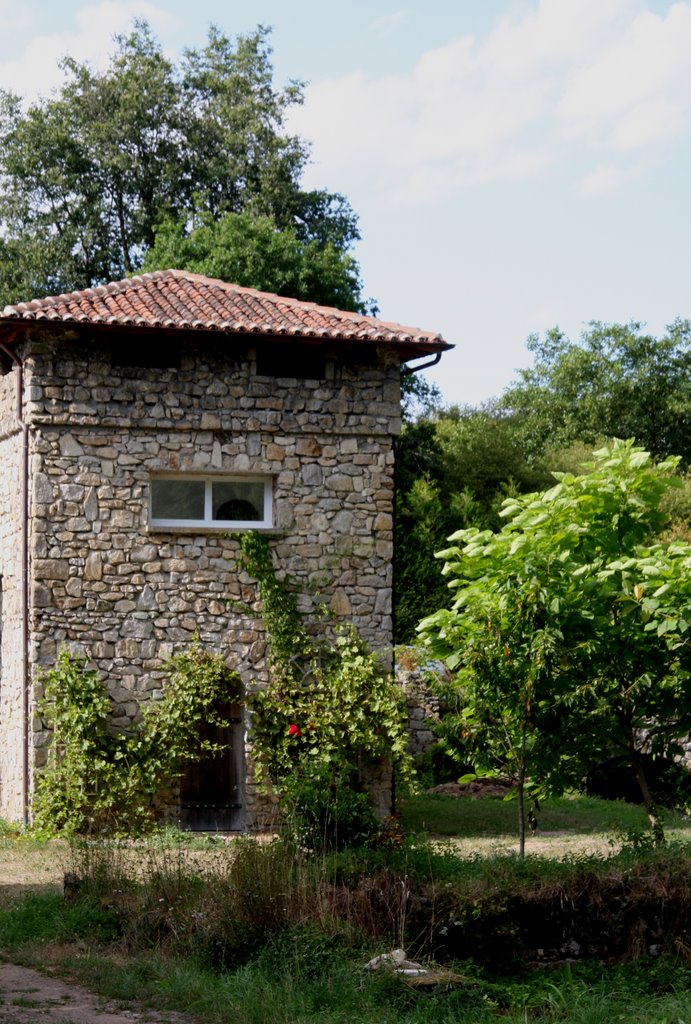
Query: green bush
325	811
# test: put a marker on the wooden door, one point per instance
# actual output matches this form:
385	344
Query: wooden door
212	790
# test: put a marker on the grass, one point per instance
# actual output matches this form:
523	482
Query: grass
298	980
260	993
261	935
496	817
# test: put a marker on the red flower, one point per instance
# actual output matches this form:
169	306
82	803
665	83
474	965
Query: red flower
293	730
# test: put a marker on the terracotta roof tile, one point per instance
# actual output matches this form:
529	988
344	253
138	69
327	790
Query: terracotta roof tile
178	300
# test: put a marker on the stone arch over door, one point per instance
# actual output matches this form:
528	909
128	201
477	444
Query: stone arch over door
212	791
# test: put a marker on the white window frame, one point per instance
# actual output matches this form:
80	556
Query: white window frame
208	523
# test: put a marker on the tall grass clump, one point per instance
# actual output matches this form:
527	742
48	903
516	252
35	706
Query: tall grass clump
221	908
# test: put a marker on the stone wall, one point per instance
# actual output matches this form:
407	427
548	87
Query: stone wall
129	595
417	680
11	638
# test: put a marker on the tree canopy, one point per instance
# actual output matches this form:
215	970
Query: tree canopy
453	470
197	150
455	466
617	381
249	249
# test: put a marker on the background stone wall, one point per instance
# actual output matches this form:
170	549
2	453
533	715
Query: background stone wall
129	595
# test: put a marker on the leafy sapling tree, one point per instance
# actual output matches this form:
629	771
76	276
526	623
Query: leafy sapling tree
505	647
570	628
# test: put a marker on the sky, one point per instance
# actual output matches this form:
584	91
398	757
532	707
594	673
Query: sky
516	165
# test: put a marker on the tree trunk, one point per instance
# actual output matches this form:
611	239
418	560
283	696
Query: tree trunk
648	801
521	800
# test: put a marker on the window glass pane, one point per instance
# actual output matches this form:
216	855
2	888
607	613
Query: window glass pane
238	501
177	499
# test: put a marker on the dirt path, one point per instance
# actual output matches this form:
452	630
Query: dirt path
30	997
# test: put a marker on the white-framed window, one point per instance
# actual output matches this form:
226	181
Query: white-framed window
211	502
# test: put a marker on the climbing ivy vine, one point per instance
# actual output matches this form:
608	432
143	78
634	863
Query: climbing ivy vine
99	779
329	710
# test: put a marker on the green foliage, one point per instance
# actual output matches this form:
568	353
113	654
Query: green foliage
342	709
676	503
328	712
615	382
89	175
290	646
452	472
325	808
570	626
98	779
483	453
420	398
250	250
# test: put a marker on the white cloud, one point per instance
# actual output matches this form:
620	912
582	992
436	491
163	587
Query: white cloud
604	179
36	71
14	17
635	91
648	124
551	33
592	73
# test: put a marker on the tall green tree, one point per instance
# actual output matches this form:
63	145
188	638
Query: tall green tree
89	175
569	629
453	470
616	381
249	249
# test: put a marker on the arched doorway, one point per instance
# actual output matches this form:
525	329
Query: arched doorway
212	791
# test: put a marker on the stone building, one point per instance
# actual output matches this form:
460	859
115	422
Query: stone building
140	423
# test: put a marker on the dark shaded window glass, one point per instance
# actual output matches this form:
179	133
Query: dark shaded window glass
237	501
177	499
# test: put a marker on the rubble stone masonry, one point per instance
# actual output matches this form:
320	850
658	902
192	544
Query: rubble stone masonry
128	595
11	638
